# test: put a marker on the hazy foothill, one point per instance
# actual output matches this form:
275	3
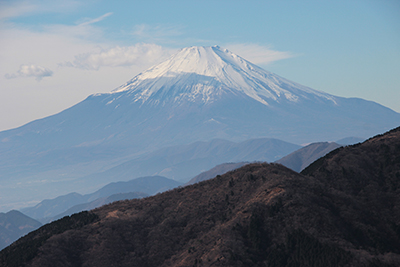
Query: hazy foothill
137	176
342	210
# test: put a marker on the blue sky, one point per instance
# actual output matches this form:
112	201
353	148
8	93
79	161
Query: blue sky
55	53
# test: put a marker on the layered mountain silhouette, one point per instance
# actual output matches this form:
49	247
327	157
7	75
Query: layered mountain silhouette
51	209
217	170
183	162
349	141
301	158
94	204
198	94
13	225
342	210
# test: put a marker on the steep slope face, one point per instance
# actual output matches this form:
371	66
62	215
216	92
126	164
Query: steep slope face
300	159
199	94
376	160
369	173
258	215
205	74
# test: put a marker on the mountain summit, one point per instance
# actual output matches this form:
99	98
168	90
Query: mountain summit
205	74
198	94
203	93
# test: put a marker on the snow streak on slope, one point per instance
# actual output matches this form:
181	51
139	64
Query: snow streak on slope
205	73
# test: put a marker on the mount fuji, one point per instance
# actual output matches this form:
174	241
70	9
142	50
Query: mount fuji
198	94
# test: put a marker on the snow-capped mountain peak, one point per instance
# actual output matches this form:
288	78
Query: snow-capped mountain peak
206	73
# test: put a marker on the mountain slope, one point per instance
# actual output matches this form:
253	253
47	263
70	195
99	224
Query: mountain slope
217	170
51	207
13	225
205	74
199	94
48	209
95	204
349	141
258	215
301	158
183	162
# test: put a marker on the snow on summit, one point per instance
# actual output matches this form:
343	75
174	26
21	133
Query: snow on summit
206	73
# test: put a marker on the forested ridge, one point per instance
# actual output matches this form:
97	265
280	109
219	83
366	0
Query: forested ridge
343	210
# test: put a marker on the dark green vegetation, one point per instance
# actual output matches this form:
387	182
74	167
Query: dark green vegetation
343	210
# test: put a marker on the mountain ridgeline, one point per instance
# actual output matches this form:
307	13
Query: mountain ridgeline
342	210
198	94
13	225
50	209
301	158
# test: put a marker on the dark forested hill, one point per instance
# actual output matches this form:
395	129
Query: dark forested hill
343	210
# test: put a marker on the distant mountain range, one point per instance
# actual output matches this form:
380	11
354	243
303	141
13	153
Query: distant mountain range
303	157
197	95
349	141
93	204
183	162
52	209
13	225
342	210
217	170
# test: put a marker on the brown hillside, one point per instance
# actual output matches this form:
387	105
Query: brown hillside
258	215
368	175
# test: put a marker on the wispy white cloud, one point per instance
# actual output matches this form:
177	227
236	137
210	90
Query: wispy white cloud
82	30
36	71
258	54
139	54
91	21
